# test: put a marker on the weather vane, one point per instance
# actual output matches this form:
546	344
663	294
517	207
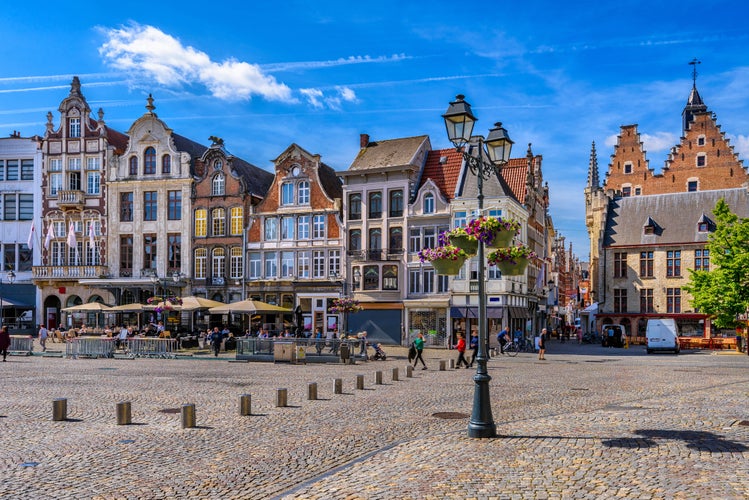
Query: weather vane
694	62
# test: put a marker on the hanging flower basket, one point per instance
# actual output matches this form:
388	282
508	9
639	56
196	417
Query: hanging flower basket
495	232
513	268
344	305
458	237
448	267
511	261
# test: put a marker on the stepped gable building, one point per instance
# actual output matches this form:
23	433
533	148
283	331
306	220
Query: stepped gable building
226	189
647	229
378	188
295	242
75	157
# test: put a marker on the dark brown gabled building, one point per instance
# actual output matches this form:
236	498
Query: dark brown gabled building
225	190
295	240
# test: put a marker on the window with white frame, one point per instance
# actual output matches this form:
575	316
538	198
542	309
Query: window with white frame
429	203
303	193
236	263
334	263
287	228
218	222
270	229
218	263
303	223
414	281
287	193
430	237
414	240
74	127
218	185
93	183
237	220
428	280
303	265
318	264
318	227
55	184
460	219
256	265
443	283
287	264
27	170
271	265
201	257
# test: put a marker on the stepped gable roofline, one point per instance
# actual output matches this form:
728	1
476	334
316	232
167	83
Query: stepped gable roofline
679	211
443	168
383	155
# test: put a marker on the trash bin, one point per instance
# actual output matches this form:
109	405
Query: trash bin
345	354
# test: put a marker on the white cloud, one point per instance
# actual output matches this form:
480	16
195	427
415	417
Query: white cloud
660	141
318	99
146	51
313	96
741	146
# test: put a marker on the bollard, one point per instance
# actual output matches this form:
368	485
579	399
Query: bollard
443	364
409	371
378	377
312	391
59	409
123	413
338	386
245	405
281	398
188	416
360	382
452	363
395	374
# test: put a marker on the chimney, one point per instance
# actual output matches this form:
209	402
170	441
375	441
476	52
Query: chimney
363	140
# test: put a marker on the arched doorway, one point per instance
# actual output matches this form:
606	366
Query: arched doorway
52	312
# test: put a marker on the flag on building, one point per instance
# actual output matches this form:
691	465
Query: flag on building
30	241
72	243
91	239
50	235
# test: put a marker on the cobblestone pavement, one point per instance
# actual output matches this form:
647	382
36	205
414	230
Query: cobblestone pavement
589	422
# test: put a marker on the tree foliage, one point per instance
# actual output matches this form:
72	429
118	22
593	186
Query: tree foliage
723	291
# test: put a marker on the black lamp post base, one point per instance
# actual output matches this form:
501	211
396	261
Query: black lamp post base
482	424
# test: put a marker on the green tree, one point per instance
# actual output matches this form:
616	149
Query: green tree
723	292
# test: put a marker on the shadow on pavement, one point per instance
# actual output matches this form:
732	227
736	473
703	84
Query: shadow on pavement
696	440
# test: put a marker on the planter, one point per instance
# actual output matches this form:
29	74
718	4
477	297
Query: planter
469	244
448	266
510	268
502	238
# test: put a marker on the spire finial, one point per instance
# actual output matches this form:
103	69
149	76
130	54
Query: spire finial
694	62
150	107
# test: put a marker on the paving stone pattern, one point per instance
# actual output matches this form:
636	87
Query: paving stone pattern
589	422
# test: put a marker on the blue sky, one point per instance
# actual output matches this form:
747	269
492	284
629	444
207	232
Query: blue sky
263	75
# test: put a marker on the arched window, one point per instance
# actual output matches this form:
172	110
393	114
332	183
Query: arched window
218	264
133	165
218	222
201	222
149	161
200	262
236	262
429	203
166	164
237	221
218	185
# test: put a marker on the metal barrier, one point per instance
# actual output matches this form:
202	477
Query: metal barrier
256	346
148	347
21	344
90	347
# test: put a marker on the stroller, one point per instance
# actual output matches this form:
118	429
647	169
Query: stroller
379	353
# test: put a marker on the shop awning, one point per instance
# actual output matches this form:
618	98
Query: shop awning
473	312
519	312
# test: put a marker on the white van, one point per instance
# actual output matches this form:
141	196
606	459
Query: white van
662	335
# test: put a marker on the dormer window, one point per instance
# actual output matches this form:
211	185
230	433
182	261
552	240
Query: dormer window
650	227
149	161
429	203
218	186
74	129
704	224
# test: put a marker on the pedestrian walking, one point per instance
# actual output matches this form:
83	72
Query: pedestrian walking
474	347
362	344
542	345
43	334
216	338
4	341
461	347
419	346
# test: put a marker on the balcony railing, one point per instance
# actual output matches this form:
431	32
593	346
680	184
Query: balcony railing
71	198
69	272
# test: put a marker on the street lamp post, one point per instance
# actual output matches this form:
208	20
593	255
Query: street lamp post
459	121
11	277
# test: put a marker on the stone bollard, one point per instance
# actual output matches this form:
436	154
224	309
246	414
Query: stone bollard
378	377
360	382
443	365
123	413
188	416
312	391
452	363
338	383
409	371
395	374
59	409
281	398
245	405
